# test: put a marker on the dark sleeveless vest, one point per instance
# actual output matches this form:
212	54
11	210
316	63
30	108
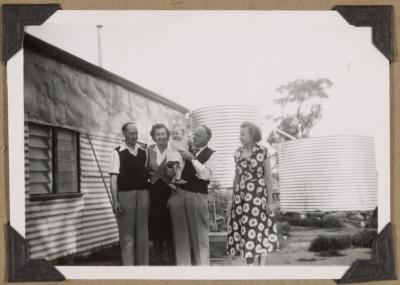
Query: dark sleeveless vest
195	184
133	174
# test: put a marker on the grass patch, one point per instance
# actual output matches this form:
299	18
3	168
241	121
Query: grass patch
329	245
314	222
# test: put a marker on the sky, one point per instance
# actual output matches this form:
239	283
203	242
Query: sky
202	58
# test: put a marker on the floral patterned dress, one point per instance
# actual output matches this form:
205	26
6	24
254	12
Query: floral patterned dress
251	229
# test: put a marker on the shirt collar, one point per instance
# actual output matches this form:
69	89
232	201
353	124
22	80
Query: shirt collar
157	150
131	150
199	150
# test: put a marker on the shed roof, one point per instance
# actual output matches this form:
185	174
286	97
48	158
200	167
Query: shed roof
41	47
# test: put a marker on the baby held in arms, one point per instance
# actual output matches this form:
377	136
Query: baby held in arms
179	142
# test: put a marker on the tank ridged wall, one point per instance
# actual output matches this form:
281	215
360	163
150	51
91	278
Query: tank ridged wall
334	173
224	122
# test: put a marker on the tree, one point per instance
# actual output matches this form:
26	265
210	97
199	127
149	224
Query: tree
301	100
305	97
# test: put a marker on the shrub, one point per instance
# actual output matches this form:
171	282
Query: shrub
330	243
331	222
328	221
306	222
283	228
364	238
333	243
372	224
372	221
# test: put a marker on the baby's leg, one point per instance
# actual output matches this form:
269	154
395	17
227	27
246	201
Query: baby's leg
178	171
178	167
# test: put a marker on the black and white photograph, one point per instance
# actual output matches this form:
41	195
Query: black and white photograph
183	142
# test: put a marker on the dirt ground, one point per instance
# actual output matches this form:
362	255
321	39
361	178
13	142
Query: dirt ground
294	250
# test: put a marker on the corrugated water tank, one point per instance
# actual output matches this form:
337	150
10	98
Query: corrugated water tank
333	173
224	122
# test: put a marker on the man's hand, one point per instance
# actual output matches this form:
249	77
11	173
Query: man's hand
187	155
117	208
172	186
170	171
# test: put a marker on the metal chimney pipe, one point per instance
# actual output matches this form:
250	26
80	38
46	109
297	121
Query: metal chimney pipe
99	45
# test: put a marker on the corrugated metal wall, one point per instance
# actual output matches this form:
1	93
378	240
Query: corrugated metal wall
56	228
224	122
61	90
335	173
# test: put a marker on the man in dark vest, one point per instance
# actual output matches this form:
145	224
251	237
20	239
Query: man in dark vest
188	204
129	184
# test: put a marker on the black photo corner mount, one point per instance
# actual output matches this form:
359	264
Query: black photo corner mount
15	17
21	268
379	17
380	267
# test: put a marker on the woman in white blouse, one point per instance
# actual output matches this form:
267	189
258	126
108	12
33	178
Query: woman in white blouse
160	228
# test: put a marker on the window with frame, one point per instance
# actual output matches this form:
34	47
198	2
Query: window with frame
53	162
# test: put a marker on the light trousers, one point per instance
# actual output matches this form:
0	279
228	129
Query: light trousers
133	227
191	226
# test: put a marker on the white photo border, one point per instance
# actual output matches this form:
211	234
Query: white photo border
17	212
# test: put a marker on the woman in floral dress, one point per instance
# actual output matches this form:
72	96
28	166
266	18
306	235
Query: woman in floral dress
252	232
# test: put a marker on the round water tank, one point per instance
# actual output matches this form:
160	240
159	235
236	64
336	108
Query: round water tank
335	173
224	122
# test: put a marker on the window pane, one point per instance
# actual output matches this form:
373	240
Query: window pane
67	162
66	166
66	187
39	189
40	160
